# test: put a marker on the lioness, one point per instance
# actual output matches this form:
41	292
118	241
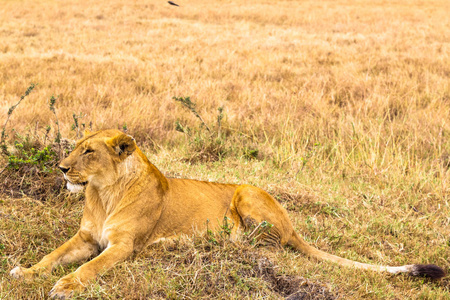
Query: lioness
130	204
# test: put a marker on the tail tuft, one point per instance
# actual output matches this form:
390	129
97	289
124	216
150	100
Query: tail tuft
432	271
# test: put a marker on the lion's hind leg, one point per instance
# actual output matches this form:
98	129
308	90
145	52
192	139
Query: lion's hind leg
260	216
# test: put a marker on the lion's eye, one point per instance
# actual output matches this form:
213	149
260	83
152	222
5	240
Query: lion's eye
87	151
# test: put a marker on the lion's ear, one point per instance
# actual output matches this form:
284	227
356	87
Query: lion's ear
124	145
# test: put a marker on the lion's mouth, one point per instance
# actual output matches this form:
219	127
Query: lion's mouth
75	187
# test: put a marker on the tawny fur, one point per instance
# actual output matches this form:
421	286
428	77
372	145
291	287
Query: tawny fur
130	204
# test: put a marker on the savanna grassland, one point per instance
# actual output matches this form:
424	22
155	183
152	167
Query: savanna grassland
340	109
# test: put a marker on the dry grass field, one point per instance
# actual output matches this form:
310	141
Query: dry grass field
339	108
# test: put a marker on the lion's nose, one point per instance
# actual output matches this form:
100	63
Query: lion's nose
64	170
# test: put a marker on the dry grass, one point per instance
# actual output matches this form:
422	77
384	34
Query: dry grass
346	102
206	265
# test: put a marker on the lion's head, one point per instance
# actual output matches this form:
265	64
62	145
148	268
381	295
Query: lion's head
95	159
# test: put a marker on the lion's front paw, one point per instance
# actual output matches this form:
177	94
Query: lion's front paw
65	287
19	272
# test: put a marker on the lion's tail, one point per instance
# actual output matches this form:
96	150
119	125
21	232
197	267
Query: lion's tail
431	271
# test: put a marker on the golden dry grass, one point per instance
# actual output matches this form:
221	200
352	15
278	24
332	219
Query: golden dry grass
347	102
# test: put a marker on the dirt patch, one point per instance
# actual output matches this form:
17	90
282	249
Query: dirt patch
290	286
248	266
31	183
31	169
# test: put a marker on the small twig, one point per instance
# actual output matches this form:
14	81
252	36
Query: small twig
47	130
21	181
219	121
58	134
254	231
76	124
10	111
1	172
186	101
